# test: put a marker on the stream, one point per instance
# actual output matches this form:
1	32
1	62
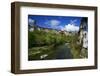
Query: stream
63	52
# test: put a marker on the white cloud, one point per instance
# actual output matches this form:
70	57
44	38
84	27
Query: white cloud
73	21
53	22
71	27
31	21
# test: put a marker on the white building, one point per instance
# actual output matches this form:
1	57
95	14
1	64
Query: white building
85	39
83	33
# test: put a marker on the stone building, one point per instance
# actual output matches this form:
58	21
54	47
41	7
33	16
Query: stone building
83	33
32	26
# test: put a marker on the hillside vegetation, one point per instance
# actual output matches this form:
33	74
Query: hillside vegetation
45	43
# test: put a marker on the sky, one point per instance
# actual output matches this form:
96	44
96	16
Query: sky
67	23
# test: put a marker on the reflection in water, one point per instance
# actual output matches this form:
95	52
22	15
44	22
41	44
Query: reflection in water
63	52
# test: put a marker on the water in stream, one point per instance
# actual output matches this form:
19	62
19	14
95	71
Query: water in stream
63	52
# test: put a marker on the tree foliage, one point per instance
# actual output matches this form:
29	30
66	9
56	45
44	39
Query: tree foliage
39	38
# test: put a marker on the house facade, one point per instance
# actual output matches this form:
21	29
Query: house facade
83	33
32	26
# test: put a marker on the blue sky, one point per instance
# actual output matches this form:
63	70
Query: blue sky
68	23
